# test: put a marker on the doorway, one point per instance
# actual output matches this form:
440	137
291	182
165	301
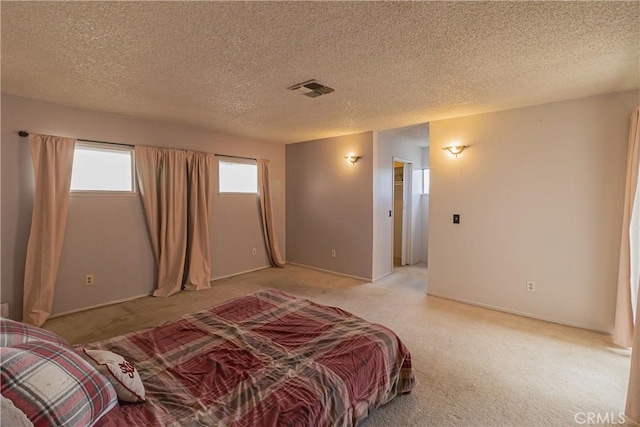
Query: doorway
402	173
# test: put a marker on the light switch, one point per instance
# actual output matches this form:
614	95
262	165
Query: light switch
456	218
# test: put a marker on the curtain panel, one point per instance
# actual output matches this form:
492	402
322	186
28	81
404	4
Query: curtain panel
175	186
629	267
266	210
198	267
626	331
52	165
163	187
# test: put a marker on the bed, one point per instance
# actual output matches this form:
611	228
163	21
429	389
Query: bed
267	359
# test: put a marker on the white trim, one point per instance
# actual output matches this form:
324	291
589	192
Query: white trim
238	159
239	273
523	314
366	279
102	146
101	193
382	276
145	295
118	301
407	214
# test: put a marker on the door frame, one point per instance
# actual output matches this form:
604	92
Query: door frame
406	256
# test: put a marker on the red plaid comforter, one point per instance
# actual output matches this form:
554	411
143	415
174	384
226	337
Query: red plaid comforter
267	359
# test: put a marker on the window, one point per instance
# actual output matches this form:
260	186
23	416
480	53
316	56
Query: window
425	181
102	168
238	177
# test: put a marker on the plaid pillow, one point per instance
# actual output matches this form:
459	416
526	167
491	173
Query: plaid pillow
12	333
54	386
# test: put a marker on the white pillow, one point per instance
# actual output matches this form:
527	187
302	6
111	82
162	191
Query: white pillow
121	373
12	416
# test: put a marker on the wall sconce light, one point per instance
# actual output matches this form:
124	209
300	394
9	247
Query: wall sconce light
456	149
352	158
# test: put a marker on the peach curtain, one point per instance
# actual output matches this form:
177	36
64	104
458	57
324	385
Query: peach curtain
162	179
52	164
629	256
266	209
627	332
198	268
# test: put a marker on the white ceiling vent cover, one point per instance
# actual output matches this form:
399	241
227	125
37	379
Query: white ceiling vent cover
311	88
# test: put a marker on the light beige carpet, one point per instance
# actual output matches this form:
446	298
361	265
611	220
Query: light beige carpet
475	367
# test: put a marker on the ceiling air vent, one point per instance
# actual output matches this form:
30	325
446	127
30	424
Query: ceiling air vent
311	88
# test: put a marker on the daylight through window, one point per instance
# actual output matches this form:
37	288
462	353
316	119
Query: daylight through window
238	177
425	181
102	168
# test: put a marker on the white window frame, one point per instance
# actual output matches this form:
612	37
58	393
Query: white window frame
98	146
242	161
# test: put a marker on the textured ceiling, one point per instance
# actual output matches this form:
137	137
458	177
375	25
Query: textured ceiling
226	65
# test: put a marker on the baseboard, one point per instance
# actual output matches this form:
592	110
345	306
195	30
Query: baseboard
240	272
522	313
382	276
100	305
146	295
366	279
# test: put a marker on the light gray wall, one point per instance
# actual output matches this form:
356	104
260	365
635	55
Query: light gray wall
329	204
386	147
425	157
540	193
107	235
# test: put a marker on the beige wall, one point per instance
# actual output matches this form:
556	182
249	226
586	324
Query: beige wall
540	194
386	147
107	235
329	204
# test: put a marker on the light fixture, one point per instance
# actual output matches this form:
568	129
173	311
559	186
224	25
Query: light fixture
352	158
456	149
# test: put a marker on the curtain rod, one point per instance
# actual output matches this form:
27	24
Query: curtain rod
236	157
24	134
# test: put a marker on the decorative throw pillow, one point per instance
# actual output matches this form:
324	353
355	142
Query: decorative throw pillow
53	386
12	333
120	372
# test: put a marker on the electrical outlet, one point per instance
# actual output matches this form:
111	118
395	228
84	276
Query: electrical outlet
89	279
531	286
4	309
254	251
333	253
